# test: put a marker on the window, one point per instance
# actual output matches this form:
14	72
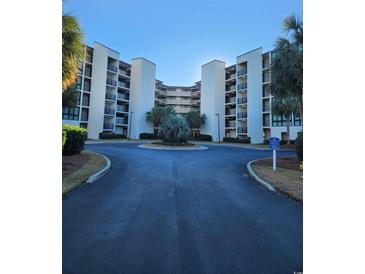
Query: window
297	121
87	85
278	120
78	83
70	113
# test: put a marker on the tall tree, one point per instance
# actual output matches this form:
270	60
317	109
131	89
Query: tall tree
157	115
287	62
195	120
285	106
72	50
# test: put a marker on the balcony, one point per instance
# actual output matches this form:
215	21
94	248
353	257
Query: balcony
230	88
111	82
266	108
108	126
231	112
84	118
242	115
110	96
241	101
121	108
241	72
266	123
109	111
230	77
112	68
195	94
123	72
123	85
231	100
231	124
89	58
242	130
121	121
241	86
122	96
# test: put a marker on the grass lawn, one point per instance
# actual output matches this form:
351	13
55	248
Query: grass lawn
76	169
287	179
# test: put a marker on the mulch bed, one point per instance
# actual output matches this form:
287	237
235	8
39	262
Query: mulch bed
291	163
71	163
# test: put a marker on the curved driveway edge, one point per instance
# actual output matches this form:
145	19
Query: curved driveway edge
93	178
146	146
257	178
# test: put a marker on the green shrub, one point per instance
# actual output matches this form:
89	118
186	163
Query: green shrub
75	139
145	135
243	140
174	129
111	135
299	146
63	137
204	137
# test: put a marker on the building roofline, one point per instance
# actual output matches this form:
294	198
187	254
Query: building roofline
96	42
144	59
249	51
215	60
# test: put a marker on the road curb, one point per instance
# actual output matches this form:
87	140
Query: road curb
145	146
96	176
257	178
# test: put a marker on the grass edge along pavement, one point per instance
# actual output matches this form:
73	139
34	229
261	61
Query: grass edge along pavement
96	167
285	181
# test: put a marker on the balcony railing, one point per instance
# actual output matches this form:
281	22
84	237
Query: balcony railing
110	96
109	111
266	108
122	96
242	115
242	100
195	94
89	58
230	76
84	118
231	124
229	88
241	86
231	112
121	108
123	72
121	121
108	126
123	84
231	100
266	123
242	130
111	82
112	68
241	72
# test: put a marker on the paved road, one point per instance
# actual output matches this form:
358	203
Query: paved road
180	212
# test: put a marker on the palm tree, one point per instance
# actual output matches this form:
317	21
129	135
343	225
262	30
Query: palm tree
195	120
72	50
285	106
175	129
157	115
287	64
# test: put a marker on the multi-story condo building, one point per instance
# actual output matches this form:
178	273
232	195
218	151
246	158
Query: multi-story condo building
114	96
182	98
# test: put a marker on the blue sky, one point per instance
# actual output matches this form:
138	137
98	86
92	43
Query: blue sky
180	36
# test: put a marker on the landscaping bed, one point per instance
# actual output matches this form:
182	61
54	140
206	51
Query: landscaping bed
77	168
287	179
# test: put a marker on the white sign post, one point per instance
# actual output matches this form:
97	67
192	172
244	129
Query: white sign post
274	143
274	160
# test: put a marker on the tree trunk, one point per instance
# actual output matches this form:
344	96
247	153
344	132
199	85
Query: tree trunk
300	107
288	129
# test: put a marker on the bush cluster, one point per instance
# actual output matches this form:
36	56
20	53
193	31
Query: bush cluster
146	135
111	135
299	146
75	139
63	137
243	140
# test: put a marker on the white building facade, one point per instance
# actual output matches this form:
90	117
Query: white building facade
114	96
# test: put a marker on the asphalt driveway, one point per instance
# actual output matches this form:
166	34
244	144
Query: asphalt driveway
180	212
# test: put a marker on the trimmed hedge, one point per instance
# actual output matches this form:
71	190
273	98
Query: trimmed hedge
145	135
111	135
63	137
299	146
75	139
244	140
203	137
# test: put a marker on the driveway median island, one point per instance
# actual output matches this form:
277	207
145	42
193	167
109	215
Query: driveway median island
77	168
287	179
